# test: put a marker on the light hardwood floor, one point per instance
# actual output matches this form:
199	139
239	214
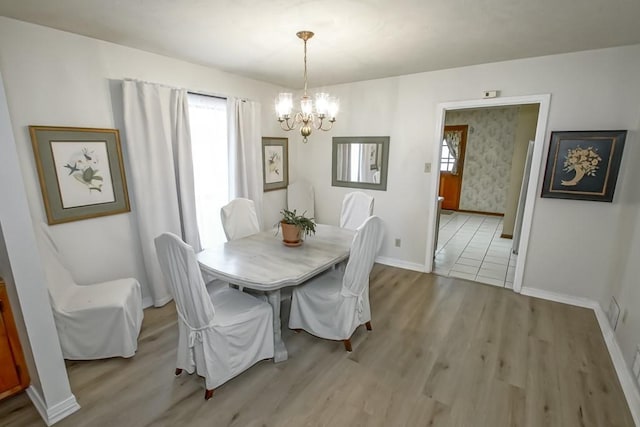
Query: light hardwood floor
443	352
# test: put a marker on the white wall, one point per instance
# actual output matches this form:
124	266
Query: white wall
57	78
571	244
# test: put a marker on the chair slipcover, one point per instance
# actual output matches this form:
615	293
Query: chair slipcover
356	207
94	321
239	219
300	198
335	303
222	331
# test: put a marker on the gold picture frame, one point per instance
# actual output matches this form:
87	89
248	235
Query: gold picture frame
81	172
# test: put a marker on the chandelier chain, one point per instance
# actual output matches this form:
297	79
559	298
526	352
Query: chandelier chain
305	67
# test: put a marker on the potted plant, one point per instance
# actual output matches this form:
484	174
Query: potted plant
295	227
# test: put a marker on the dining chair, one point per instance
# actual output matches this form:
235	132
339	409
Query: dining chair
356	207
221	331
94	321
239	219
334	304
300	198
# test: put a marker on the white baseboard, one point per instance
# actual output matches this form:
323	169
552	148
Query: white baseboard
565	299
55	413
627	381
394	262
625	376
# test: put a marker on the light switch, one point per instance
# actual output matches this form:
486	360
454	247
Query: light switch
427	167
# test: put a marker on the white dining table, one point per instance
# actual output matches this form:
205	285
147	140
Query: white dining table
262	262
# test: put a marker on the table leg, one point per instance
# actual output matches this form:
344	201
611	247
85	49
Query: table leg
280	351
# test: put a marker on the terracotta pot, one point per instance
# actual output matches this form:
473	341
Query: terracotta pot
291	234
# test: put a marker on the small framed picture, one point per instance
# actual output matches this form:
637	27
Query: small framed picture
81	172
275	163
583	165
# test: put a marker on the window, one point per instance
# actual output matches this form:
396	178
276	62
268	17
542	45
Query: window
208	123
446	158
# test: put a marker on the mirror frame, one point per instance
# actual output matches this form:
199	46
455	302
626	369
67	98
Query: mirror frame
382	140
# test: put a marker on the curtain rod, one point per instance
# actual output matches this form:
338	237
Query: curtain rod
195	92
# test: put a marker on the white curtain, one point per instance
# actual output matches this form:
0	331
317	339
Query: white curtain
245	156
156	122
452	139
343	159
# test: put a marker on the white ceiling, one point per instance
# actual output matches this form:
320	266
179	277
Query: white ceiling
355	39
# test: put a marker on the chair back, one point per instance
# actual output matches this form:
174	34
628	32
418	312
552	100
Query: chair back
180	268
60	283
300	198
239	219
356	207
366	244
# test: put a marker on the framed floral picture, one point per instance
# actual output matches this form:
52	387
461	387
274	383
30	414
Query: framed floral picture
583	165
275	163
81	172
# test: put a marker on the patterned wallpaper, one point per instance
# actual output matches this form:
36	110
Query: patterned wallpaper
487	165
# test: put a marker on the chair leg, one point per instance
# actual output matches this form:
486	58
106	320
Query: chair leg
178	371
347	344
208	393
368	325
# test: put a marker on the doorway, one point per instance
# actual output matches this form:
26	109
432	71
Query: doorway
543	102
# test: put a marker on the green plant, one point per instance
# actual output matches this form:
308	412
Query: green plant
306	225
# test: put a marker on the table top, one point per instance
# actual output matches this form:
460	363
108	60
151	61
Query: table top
262	261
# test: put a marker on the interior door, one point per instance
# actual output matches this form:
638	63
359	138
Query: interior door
452	165
8	374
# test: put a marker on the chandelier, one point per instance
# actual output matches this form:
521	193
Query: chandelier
310	116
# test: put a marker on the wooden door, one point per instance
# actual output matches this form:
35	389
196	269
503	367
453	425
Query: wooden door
451	169
8	373
13	369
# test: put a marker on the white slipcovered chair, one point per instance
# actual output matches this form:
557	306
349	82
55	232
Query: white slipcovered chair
356	207
94	321
300	198
334	304
239	219
222	331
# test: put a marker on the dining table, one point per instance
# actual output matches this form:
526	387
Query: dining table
263	262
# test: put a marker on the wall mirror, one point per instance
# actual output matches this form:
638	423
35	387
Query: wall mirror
360	162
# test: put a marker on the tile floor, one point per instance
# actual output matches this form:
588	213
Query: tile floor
470	247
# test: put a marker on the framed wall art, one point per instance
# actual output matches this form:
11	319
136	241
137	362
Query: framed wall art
275	163
81	172
583	165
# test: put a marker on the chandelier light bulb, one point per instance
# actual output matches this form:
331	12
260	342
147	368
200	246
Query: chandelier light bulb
322	103
306	105
284	105
333	108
